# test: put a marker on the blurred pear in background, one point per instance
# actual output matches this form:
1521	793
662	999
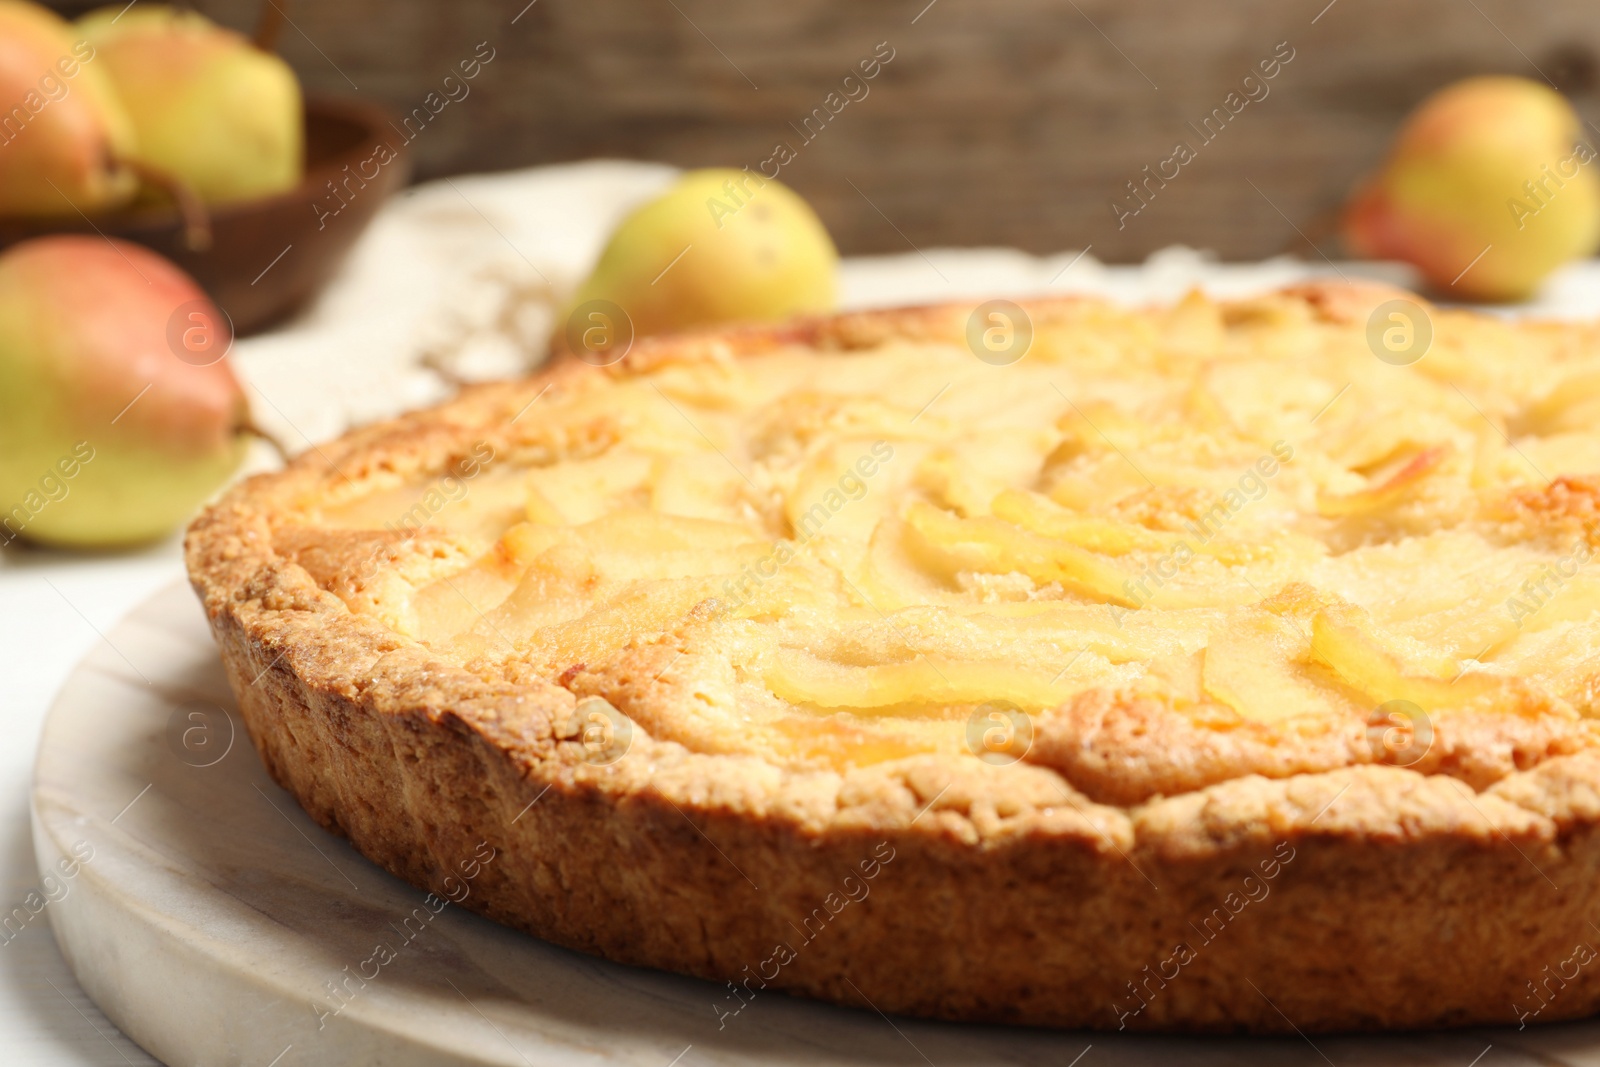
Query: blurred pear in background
119	413
208	107
720	245
64	130
1486	190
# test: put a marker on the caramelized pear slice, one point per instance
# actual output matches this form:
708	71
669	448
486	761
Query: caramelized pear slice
802	678
1393	490
1343	639
997	547
1256	663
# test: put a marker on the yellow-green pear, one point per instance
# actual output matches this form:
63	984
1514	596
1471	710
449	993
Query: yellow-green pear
718	246
208	107
1486	190
119	413
63	130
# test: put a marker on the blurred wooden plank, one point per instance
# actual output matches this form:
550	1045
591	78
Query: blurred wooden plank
1010	122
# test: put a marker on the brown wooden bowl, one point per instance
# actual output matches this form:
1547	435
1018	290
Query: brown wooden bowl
268	257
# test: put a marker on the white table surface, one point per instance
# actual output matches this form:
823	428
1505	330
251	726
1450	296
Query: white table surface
456	272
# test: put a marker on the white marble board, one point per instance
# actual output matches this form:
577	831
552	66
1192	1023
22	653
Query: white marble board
211	914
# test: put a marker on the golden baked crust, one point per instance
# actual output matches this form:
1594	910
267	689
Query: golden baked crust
1361	796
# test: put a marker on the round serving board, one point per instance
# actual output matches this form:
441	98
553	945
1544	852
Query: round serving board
218	925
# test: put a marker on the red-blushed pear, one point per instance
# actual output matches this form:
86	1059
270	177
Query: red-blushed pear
209	108
719	245
118	412
62	129
1486	190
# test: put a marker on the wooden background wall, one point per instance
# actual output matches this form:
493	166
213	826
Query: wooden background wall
998	122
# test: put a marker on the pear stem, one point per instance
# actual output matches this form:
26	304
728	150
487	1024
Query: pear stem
249	426
269	25
435	362
196	219
1324	224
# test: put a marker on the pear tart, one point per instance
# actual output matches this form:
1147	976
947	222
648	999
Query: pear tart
1205	668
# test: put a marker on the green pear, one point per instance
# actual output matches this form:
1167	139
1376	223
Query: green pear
718	246
118	410
208	107
63	130
1486	190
